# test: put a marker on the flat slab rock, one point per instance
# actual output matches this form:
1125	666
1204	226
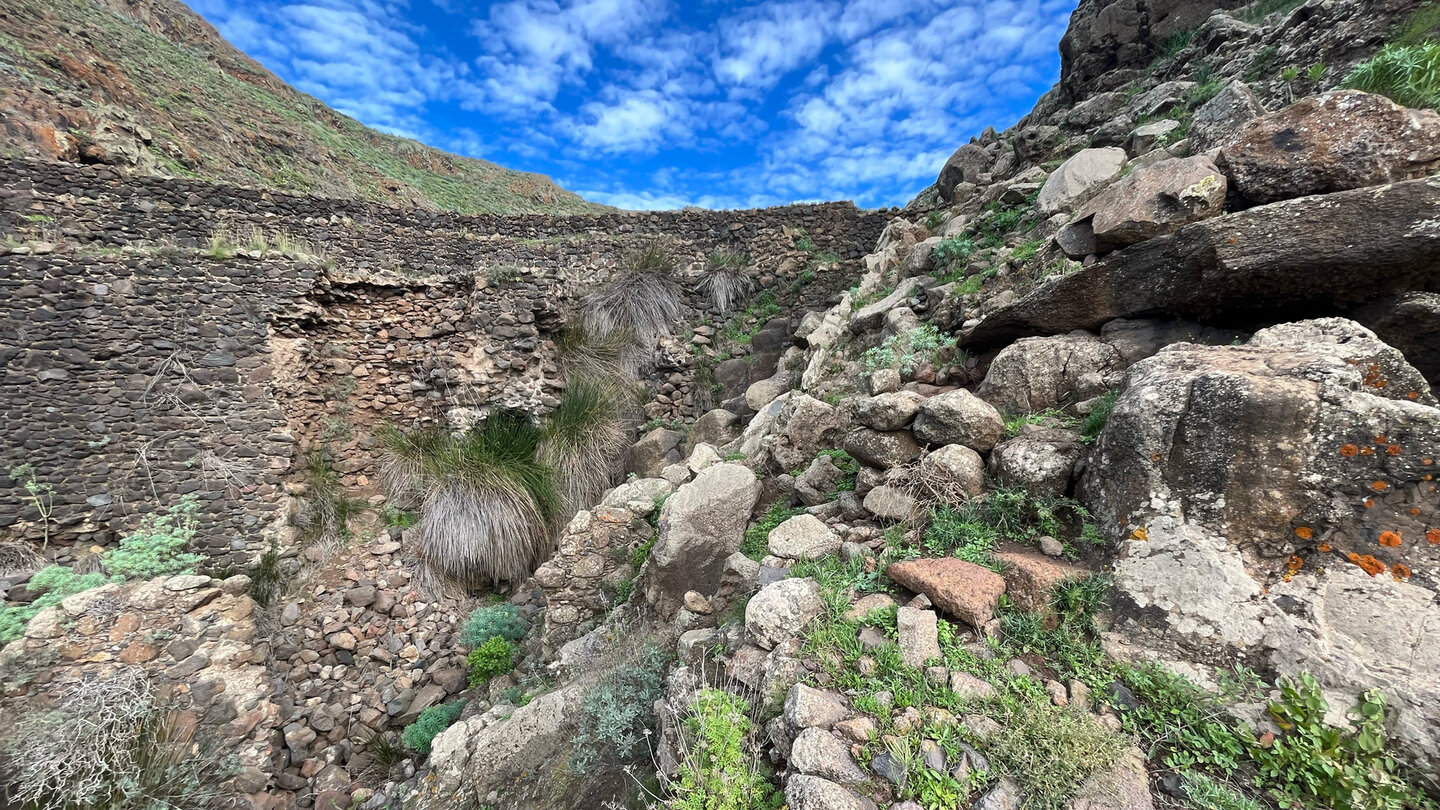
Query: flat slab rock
967	591
1031	578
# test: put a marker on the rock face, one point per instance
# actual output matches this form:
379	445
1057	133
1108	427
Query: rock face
1411	323
1320	252
700	525
1233	469
1335	141
1153	200
1223	118
1080	178
959	417
963	589
1034	374
474	757
658	449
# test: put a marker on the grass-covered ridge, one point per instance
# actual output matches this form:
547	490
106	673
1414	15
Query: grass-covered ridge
193	91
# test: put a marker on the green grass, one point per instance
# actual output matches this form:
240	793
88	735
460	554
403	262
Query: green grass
1421	26
1095	421
757	538
1408	75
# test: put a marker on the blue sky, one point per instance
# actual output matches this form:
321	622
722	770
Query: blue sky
667	103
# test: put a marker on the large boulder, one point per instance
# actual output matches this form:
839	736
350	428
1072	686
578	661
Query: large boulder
700	525
654	452
718	427
872	316
1235	475
967	591
1080	178
1316	253
1335	141
953	473
1411	323
890	411
803	537
782	610
966	165
1221	119
1035	374
806	426
959	417
1150	201
1041	461
882	450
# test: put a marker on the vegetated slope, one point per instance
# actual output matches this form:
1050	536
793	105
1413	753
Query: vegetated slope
150	86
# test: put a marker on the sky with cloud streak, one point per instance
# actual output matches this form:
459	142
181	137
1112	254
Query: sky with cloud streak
667	103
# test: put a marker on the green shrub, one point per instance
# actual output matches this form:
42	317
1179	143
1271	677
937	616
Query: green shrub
54	584
110	745
953	251
1203	792
1408	75
494	657
1050	750
933	220
1314	764
394	518
420	734
1420	26
491	621
1180	724
618	711
156	548
718	772
1094	421
909	351
757	538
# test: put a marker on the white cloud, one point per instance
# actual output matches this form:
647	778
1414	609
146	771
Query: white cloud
757	49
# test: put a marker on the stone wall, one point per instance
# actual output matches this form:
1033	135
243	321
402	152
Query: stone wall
140	364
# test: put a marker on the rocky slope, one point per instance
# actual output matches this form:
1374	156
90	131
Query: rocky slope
1110	484
152	87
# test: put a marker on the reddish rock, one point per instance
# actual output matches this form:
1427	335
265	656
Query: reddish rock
1332	142
1029	578
967	591
138	653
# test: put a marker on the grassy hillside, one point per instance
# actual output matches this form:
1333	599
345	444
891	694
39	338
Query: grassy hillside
150	86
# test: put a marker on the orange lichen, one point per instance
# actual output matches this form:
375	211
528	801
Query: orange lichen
1427	462
1304	532
1140	534
1382	439
1325	547
1369	502
1367	563
1295	563
1390	539
1157	456
1433	537
1412	394
1379	486
1349	450
1400	571
1368	451
1414	510
1393	450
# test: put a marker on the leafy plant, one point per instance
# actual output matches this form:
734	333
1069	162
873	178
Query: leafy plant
419	735
1316	72
717	772
156	548
619	711
54	583
1094	421
960	533
1314	764
40	495
495	657
1408	75
953	251
398	518
493	621
1204	792
910	350
1181	724
934	220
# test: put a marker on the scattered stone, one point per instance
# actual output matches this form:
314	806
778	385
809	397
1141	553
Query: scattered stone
819	753
1030	579
959	417
970	687
813	793
1079	178
803	537
919	636
781	611
967	591
955	470
891	503
701	525
808	707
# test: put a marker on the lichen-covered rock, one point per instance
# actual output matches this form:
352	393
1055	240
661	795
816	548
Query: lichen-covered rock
808	707
813	793
954	470
1150	201
1335	141
700	525
1234	469
657	449
892	503
1035	374
882	450
781	610
958	417
817	484
1041	461
918	636
817	752
1224	117
803	537
892	411
1080	178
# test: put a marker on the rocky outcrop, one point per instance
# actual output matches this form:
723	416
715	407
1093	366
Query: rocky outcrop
1240	474
1335	141
1319	252
1079	178
1035	374
700	525
1151	201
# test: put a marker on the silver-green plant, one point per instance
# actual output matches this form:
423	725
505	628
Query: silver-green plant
40	495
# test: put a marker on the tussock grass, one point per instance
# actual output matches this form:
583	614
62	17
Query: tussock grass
585	438
1408	75
641	302
725	281
488	500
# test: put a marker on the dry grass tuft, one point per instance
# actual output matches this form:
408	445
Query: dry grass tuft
585	438
642	302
